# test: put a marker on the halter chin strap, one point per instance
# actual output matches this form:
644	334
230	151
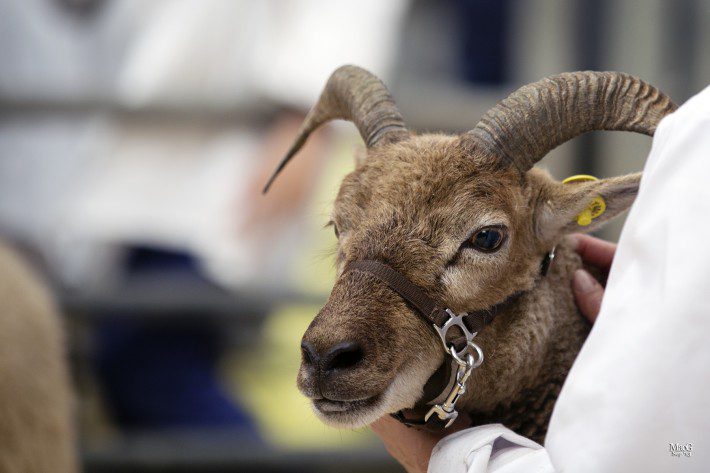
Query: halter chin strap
465	355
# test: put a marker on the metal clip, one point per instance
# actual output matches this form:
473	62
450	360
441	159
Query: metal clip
446	411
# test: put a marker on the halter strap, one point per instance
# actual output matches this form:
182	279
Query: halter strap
439	317
425	305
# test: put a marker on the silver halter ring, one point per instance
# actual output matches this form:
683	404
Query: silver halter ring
474	358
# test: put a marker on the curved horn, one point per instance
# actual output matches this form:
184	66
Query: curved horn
354	94
540	116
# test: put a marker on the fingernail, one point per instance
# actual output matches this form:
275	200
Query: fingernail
583	281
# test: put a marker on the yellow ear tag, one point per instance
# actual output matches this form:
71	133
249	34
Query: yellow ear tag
596	206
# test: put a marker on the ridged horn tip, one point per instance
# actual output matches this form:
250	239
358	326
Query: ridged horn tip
357	95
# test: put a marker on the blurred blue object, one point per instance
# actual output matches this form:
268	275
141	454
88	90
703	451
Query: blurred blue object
162	374
483	35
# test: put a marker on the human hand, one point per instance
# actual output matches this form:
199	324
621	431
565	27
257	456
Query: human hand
588	293
411	447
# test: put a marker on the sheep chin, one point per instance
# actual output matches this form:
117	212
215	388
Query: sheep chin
400	394
353	419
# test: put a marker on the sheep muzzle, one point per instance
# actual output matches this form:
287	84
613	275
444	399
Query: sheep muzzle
359	361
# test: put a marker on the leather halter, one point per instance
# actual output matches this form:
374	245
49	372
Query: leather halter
442	319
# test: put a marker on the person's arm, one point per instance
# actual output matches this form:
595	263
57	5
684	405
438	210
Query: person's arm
471	450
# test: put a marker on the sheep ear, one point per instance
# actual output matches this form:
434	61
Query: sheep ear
560	207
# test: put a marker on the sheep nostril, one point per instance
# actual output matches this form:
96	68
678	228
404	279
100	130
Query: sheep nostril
309	353
343	356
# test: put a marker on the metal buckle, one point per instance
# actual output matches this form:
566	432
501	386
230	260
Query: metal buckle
455	321
446	411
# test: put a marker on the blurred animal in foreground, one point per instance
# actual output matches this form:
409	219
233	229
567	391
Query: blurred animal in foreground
441	237
36	429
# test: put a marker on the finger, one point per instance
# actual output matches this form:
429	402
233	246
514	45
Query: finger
410	447
594	251
588	294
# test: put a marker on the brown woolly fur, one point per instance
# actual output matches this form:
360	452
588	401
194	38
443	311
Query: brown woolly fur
36	432
417	202
411	205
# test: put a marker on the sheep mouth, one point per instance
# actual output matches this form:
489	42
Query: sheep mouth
326	406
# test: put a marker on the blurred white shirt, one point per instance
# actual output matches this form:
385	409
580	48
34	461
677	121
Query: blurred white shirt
637	397
190	53
80	180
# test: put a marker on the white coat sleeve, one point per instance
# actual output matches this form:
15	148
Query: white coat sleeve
488	448
636	398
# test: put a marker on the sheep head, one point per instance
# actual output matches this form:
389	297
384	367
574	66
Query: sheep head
467	218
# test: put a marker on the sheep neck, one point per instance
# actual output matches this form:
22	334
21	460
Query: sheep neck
529	409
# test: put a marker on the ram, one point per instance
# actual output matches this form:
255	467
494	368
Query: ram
445	254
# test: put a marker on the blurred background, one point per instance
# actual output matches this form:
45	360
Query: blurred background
135	138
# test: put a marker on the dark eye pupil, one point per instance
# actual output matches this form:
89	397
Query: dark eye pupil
487	239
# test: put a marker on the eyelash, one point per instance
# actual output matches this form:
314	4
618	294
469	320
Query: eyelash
335	228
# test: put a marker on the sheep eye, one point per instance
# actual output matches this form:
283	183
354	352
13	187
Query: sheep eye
488	239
